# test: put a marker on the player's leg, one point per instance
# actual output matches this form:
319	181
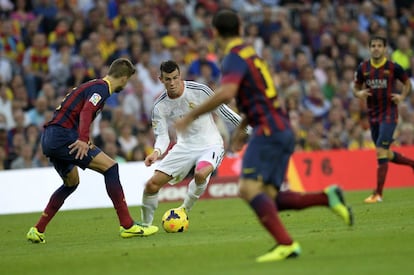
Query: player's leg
70	183
259	166
400	159
105	165
150	195
384	137
54	144
331	197
206	164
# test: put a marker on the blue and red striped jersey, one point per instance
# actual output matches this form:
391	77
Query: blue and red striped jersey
257	97
80	106
381	81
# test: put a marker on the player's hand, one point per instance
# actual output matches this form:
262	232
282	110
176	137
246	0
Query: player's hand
363	93
397	98
238	139
80	147
151	158
182	124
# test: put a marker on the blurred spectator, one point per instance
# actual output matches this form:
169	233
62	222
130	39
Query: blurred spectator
158	53
405	134
19	125
32	135
174	36
252	37
10	40
36	115
151	82
177	13
124	22
269	24
316	102
3	135
24	158
35	64
367	17
23	14
6	67
138	153
137	102
39	159
121	48
59	64
198	17
126	139
46	10
15	148
78	75
403	54
251	11
61	35
3	157
79	33
106	46
111	149
194	69
6	105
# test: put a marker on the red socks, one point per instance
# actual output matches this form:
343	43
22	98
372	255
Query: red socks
268	215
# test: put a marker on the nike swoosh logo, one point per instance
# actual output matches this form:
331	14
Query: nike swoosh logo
141	232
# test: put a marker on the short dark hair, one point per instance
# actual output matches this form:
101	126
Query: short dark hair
227	23
169	66
380	38
121	67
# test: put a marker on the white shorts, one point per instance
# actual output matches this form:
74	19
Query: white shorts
179	160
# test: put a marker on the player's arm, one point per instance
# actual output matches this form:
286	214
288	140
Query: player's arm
240	135
358	88
223	95
162	138
86	116
406	88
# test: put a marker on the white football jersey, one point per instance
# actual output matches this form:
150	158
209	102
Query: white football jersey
202	132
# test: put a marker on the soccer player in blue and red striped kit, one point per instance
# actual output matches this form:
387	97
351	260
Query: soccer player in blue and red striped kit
246	76
66	141
376	81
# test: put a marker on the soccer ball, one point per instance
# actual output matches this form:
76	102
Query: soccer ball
175	220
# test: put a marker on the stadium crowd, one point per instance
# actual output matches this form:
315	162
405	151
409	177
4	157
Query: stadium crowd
312	48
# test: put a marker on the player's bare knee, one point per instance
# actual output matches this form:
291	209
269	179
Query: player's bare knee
152	187
71	181
382	153
200	177
249	189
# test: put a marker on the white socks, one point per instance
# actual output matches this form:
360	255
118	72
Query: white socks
193	193
149	204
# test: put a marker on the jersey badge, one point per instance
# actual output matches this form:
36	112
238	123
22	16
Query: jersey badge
191	105
95	98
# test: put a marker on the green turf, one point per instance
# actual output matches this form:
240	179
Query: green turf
224	238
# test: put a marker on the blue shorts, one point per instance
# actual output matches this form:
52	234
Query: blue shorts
382	134
55	141
267	157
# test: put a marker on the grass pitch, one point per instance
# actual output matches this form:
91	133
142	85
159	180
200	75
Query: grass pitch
224	237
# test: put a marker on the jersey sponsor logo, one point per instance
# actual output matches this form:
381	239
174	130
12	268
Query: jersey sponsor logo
377	83
95	98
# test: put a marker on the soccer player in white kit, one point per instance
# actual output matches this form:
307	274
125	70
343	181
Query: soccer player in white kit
201	146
